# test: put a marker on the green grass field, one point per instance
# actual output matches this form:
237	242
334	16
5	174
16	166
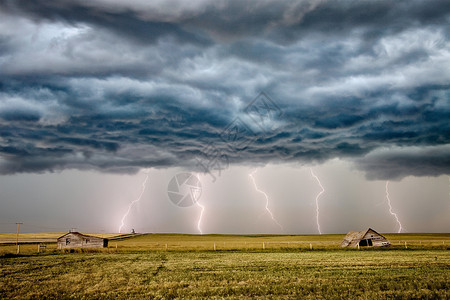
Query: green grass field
141	267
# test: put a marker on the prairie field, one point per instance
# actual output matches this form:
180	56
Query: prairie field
260	266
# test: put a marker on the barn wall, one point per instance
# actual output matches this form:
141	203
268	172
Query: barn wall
377	239
381	243
73	240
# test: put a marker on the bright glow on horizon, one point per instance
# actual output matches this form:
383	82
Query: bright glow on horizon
317	199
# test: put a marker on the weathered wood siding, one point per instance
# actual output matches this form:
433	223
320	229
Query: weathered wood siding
78	240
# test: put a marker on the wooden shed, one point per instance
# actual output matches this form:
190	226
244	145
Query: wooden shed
77	240
368	237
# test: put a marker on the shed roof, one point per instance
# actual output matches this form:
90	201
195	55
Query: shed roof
81	235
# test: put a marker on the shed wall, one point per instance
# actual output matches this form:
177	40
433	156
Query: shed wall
74	240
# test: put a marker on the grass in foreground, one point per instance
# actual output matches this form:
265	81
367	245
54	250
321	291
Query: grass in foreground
160	274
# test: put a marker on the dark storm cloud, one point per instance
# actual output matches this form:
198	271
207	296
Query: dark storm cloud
397	162
122	21
117	86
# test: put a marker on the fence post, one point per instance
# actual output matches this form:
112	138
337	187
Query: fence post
310	246
214	246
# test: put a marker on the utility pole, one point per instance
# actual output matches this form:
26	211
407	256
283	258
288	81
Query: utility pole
17	236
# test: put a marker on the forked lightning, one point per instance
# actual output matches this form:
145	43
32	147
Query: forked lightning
134	202
317	199
267	199
199	223
390	208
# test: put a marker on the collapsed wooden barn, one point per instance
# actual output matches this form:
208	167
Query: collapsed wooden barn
368	237
77	240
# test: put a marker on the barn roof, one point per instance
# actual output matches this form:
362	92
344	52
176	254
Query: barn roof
354	237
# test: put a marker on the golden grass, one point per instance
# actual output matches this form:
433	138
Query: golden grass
142	267
180	242
329	274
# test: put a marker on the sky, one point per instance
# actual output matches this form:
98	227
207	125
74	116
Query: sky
252	97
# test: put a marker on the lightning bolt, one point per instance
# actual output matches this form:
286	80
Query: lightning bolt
267	198
134	202
390	208
317	199
199	223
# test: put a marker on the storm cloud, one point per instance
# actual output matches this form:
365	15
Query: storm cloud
118	86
